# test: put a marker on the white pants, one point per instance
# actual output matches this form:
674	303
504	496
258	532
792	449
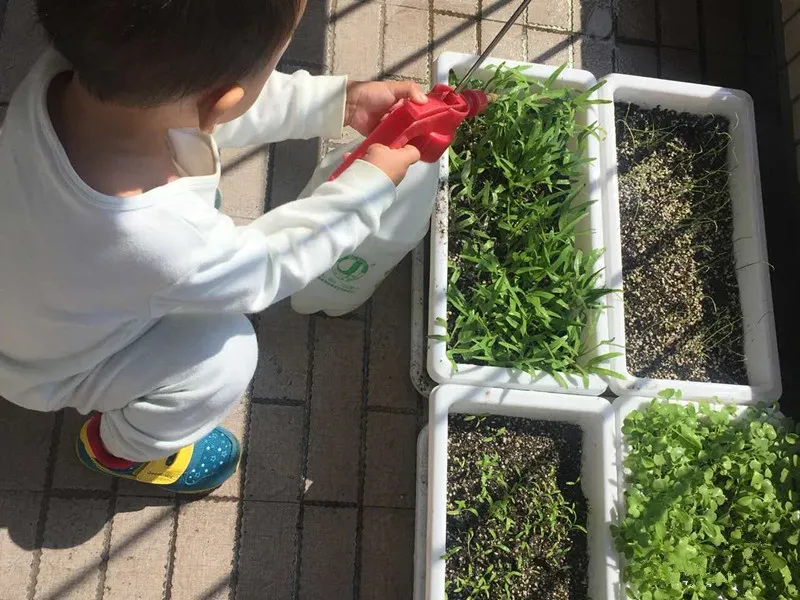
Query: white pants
171	386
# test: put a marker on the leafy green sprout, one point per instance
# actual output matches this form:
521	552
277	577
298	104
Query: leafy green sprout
521	293
514	511
712	503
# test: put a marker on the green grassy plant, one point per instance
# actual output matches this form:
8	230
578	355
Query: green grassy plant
508	525
521	293
713	504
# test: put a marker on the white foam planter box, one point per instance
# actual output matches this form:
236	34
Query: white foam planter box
750	248
440	368
595	417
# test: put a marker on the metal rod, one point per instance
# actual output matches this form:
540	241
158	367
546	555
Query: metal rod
493	43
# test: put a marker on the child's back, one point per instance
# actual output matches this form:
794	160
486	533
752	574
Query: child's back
124	288
79	268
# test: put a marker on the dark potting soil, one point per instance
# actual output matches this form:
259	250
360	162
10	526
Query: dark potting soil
683	319
519	476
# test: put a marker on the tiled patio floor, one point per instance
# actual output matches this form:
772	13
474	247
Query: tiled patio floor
323	507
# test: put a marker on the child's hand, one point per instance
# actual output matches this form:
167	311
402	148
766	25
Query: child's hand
369	101
394	163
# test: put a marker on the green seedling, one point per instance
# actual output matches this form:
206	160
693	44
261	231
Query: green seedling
712	504
511	529
521	293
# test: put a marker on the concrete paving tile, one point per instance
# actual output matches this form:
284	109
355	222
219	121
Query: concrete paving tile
19	514
69	472
512	46
593	55
680	65
794	78
679	24
461	7
335	437
417	4
3	109
593	17
328	553
26	435
501	11
356	42
21	43
295	161
455	34
636	19
550	13
390	342
127	487
406	41
761	83
244	181
343	6
140	537
726	70
758	23
549	48
267	550
789	8
797	152
283	354
275	453
391	460
387	558
73	549
637	60
791	38
204	550
724	30
310	38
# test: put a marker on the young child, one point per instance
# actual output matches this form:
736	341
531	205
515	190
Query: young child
123	289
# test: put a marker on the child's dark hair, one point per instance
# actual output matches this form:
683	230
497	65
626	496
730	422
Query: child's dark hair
147	52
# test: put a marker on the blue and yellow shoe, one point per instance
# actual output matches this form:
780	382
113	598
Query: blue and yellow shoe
200	467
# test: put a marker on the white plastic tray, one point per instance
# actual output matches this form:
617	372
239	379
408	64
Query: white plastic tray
595	416
439	366
750	247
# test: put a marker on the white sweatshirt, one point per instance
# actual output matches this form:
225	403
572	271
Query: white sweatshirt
83	274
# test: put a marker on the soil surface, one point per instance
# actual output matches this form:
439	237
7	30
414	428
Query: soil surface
682	313
533	541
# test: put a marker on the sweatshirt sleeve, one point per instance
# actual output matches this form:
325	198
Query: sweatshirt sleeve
246	269
290	107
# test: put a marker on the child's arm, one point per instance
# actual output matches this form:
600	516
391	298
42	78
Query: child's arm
301	106
248	268
290	107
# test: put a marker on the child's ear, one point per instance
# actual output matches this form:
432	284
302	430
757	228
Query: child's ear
212	106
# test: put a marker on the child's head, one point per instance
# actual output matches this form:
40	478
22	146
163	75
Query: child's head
216	54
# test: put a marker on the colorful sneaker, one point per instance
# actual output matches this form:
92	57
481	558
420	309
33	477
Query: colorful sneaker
193	469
